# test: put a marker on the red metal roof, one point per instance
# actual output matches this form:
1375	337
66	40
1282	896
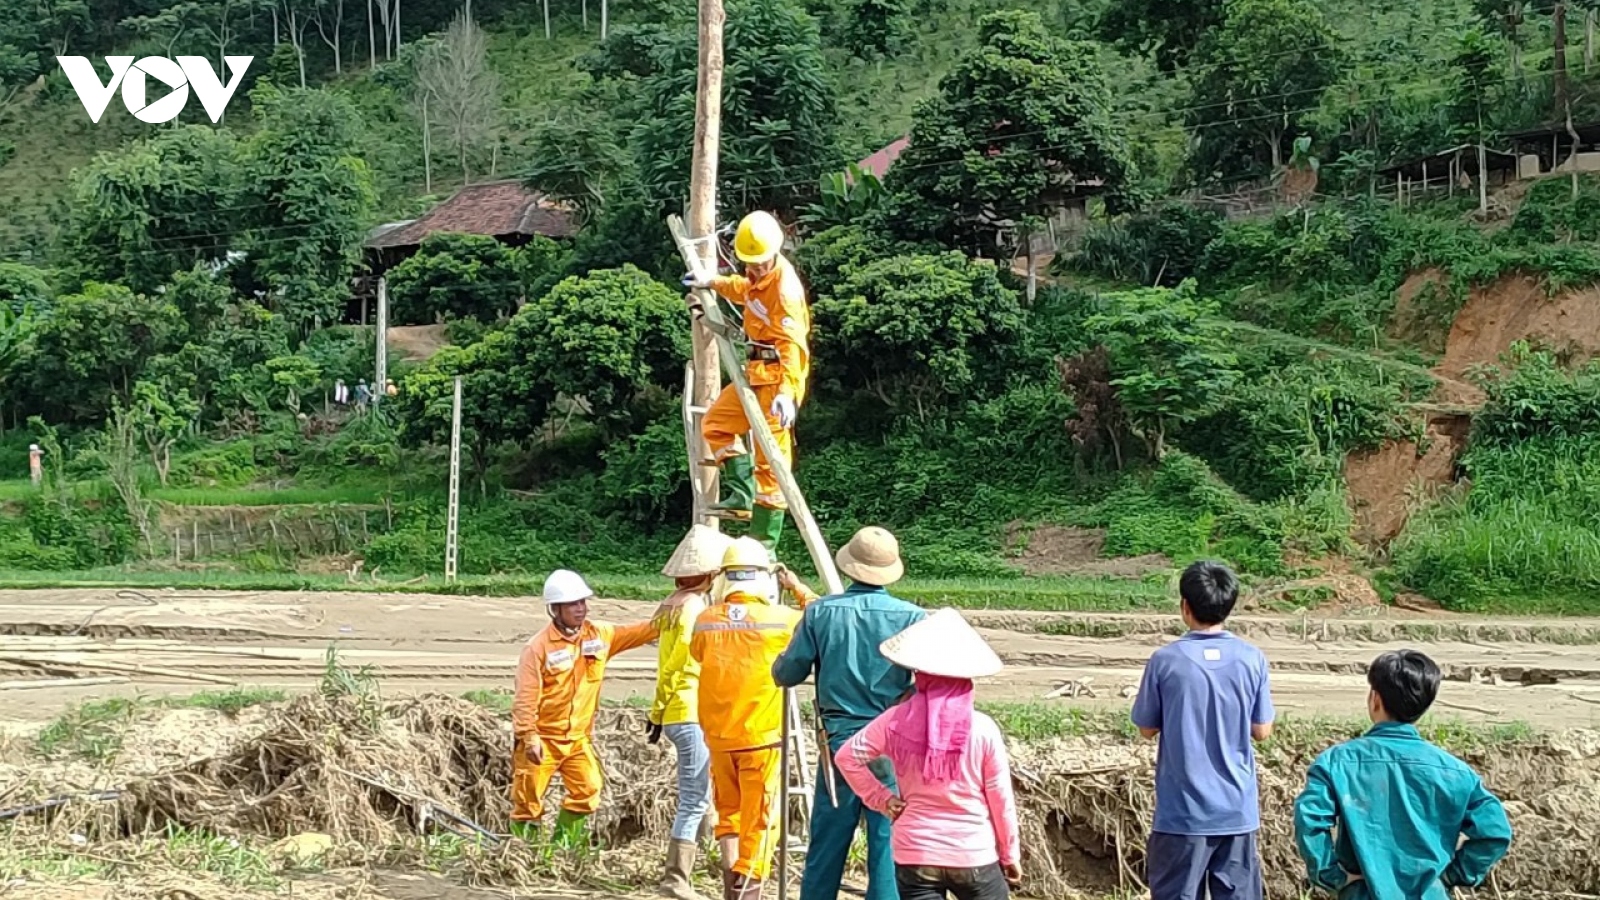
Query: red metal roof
878	163
493	208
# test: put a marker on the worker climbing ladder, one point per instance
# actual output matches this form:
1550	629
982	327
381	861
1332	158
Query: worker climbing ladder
799	783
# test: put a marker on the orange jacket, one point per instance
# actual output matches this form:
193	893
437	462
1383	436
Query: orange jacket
558	678
736	642
775	314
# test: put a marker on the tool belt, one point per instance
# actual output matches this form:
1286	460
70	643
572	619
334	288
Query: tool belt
762	353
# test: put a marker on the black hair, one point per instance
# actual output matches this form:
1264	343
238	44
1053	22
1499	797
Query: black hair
1407	682
1211	589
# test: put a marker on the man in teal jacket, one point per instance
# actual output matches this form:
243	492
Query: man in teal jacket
838	639
1399	803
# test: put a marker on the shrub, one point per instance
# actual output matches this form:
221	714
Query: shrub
919	332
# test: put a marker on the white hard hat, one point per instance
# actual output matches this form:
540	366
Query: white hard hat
565	586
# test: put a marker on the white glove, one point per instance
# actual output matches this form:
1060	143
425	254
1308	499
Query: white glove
697	280
783	410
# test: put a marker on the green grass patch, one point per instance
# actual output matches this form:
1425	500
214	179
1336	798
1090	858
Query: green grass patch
230	701
355	495
1043	721
1048	594
498	699
236	863
93	730
1039	721
43	862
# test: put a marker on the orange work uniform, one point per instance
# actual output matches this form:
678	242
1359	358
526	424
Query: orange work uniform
741	711
557	696
777	322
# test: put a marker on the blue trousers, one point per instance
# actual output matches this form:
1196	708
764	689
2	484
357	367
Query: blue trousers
694	778
832	831
1188	867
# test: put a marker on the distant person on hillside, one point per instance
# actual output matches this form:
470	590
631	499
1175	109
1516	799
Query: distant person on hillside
1206	697
35	464
341	393
363	395
1400	805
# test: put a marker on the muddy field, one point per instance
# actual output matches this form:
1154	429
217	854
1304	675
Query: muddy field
373	772
1545	673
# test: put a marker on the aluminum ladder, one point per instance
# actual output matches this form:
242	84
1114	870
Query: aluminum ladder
799	780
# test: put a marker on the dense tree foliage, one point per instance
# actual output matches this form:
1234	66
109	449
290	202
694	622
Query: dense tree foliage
179	320
1169	358
455	276
919	332
1257	73
1020	127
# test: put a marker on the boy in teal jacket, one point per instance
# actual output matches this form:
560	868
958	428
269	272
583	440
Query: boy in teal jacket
1400	804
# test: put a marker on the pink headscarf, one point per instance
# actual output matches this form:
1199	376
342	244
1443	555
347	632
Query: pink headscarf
928	733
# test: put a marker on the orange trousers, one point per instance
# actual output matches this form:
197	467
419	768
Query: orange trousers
725	422
747	787
580	772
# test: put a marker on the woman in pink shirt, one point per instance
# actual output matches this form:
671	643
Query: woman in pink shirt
955	818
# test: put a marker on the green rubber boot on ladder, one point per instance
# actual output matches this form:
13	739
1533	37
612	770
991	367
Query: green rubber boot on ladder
766	526
738	488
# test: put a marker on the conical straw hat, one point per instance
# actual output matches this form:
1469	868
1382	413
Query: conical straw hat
699	553
942	644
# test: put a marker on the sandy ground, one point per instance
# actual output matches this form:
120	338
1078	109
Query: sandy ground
454	644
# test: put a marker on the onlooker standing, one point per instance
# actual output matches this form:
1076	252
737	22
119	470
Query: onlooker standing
1401	804
1206	696
35	464
955	818
838	640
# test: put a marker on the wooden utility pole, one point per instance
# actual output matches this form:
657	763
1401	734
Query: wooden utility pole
453	517
702	218
383	339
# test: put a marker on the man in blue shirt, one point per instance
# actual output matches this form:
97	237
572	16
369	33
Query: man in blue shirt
1206	697
1399	803
838	639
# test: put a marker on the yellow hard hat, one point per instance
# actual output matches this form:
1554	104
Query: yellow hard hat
746	553
759	238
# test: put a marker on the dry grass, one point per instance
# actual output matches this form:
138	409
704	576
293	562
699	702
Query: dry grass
313	765
1086	805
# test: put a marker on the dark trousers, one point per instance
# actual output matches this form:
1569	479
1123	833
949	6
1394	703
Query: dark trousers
932	883
1186	866
833	829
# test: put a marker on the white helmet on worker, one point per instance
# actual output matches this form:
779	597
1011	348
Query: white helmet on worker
758	239
565	586
747	571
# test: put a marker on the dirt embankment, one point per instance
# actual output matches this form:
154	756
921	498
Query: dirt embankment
370	777
1386	483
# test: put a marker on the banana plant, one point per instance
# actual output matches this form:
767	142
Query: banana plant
846	196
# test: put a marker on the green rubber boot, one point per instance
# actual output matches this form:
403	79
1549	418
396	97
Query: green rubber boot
738	485
572	829
527	831
766	525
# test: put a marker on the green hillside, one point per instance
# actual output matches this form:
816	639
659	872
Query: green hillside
1252	344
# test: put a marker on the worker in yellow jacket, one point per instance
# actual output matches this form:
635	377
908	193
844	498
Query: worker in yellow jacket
676	712
777	324
741	710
